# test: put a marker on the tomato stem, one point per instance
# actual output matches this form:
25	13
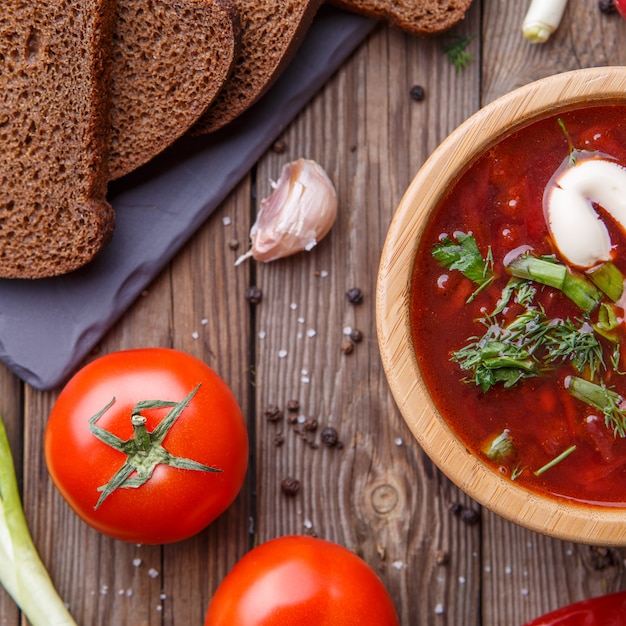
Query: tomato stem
144	450
143	440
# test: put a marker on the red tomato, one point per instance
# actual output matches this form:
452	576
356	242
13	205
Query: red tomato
609	610
301	581
196	432
620	5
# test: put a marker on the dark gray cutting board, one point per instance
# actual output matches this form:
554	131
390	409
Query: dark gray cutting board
48	326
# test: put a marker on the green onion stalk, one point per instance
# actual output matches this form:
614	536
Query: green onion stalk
22	573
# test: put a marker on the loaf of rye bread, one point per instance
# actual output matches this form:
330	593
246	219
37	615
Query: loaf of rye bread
271	34
170	60
417	17
54	134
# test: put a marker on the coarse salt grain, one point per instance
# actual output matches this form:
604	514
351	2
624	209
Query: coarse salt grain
301	419
439	609
195	334
153	573
305	379
282	354
308	524
347	330
204	321
226	221
398	441
324	274
311	332
300	320
293	306
262	334
397	565
137	562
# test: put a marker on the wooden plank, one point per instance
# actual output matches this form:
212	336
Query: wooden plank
378	495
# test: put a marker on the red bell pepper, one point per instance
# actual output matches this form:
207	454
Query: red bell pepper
620	5
609	610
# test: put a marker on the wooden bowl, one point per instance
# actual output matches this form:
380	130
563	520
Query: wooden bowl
572	522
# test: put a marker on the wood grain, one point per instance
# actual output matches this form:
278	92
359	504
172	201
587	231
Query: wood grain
379	494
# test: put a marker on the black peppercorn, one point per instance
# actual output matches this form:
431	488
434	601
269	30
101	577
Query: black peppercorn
347	346
254	295
354	295
329	436
273	413
279	440
607	6
356	335
417	92
470	516
279	146
442	557
293	405
290	486
310	425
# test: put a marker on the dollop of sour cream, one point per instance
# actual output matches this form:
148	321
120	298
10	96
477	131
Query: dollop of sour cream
578	231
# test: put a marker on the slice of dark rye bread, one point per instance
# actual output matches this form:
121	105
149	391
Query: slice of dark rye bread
170	60
417	17
271	34
54	134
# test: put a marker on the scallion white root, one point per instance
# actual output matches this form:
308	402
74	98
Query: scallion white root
542	19
22	572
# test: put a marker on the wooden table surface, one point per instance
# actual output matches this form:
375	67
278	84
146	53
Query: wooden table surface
379	495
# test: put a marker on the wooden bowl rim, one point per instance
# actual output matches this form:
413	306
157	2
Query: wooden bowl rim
563	520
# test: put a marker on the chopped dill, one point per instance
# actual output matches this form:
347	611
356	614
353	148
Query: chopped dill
457	53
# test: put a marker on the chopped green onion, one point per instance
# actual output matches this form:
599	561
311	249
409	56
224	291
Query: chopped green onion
608	323
22	572
552	274
554	461
605	400
500	447
608	279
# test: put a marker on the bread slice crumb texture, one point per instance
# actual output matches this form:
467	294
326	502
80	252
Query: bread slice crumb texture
54	135
170	59
271	34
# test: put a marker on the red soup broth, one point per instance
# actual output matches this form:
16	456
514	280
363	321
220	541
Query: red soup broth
499	200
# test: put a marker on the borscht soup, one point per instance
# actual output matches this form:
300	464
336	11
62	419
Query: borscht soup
518	305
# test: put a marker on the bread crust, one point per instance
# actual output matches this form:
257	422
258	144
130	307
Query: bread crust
417	17
54	135
271	34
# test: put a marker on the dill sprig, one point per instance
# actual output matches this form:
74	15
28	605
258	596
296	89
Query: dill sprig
457	53
530	344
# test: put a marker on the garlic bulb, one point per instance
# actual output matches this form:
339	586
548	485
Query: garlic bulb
300	211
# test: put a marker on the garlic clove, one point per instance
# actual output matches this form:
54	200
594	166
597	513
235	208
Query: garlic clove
297	214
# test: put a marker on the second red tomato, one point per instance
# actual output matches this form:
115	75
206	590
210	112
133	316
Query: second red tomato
301	581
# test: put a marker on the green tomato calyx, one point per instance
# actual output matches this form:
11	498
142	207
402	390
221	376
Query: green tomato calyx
144	450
